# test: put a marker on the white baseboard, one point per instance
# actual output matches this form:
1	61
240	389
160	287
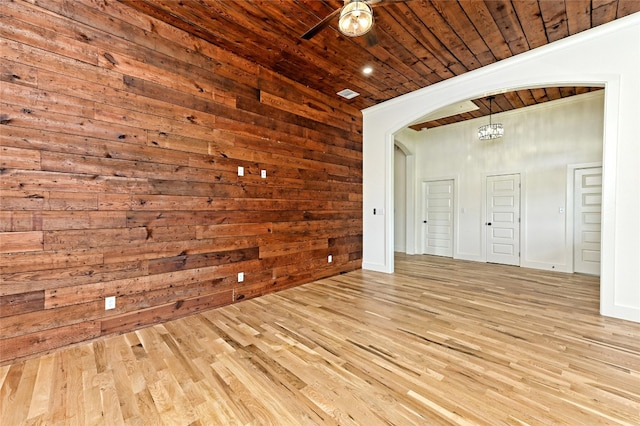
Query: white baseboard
378	267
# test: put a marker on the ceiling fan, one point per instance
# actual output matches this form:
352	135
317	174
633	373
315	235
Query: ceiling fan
356	19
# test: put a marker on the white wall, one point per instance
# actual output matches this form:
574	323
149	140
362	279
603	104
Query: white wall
608	55
539	143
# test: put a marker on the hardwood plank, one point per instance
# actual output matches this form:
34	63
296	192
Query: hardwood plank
11	242
40	398
181	262
17	73
479	14
460	23
38	35
16	221
603	11
579	15
34	57
554	16
47	260
506	19
69	220
21	303
24	279
528	12
17	328
48	101
46	340
149	316
60	123
16	158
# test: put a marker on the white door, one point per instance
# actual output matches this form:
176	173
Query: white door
437	218
503	219
587	220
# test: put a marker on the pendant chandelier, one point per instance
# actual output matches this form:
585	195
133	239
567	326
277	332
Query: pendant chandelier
491	130
356	19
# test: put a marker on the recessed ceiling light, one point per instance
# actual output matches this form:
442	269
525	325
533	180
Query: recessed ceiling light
367	70
348	93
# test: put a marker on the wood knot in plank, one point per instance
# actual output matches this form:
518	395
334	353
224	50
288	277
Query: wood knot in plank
110	58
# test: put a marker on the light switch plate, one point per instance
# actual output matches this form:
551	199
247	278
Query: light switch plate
240	171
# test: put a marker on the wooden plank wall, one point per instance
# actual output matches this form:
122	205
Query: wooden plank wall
120	140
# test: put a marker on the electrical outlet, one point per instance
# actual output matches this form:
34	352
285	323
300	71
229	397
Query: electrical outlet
109	303
329	258
240	277
263	174
240	171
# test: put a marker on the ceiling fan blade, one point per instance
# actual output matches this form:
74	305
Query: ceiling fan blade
320	25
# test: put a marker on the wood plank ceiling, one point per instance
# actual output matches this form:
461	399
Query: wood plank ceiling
419	42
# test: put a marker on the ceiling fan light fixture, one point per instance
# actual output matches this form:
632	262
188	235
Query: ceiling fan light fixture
492	130
356	19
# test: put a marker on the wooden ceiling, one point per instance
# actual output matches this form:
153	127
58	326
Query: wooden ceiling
419	42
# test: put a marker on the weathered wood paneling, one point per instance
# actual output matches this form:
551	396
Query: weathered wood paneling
120	142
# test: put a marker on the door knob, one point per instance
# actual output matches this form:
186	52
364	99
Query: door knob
424	221
488	223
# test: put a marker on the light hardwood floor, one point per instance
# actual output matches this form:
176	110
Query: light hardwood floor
438	342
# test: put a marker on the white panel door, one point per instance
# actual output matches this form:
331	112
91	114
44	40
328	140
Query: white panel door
503	219
587	220
437	218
